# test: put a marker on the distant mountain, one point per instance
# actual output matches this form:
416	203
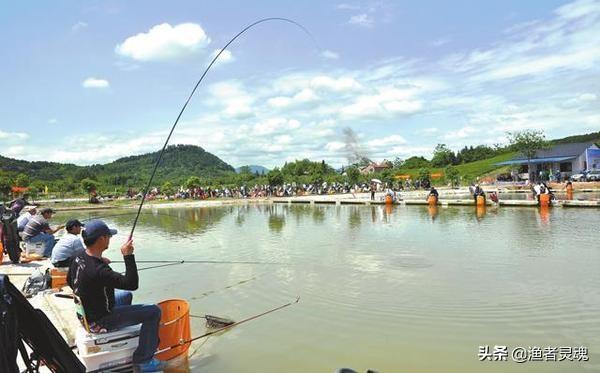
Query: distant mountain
254	169
178	163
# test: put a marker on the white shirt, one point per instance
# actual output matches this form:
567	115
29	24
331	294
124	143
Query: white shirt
23	220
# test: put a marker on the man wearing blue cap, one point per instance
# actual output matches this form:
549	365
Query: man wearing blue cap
94	282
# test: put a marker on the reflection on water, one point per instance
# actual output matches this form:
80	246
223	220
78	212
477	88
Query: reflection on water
480	212
402	288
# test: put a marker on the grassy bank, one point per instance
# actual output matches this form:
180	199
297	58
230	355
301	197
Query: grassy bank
468	171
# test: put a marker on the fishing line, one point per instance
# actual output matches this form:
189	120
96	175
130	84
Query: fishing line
160	155
183	261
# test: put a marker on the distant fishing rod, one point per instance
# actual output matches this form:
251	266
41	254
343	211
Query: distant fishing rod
163	263
160	155
184	342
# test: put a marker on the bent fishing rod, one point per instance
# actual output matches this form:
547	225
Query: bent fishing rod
160	155
184	342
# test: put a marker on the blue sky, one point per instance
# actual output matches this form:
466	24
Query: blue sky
91	81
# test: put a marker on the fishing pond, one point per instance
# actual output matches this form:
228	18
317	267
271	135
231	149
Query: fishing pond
393	289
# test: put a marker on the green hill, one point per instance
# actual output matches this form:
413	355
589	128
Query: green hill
178	163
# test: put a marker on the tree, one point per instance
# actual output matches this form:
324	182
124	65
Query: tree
245	170
387	176
398	162
424	176
193	182
442	156
89	185
22	180
5	185
452	175
528	142
167	189
353	174
416	162
275	177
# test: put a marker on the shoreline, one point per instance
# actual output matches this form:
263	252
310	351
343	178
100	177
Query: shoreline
448	196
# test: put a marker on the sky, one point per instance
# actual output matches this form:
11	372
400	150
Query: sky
88	82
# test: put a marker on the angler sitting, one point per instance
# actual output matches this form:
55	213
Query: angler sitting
94	282
433	192
30	212
478	191
69	245
38	230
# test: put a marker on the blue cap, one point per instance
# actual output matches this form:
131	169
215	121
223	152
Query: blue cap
97	228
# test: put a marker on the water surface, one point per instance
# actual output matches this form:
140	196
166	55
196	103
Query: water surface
402	289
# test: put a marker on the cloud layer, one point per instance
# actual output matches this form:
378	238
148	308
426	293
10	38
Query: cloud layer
542	74
164	42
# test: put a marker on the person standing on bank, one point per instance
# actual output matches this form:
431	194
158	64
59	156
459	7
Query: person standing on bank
107	309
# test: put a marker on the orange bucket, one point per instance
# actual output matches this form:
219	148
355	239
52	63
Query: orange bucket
59	278
174	328
388	200
432	200
480	201
544	199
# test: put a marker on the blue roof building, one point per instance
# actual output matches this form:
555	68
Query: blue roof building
564	158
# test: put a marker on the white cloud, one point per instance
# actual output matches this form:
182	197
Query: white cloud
461	133
231	95
13	135
393	140
561	44
225	57
588	97
95	83
279	102
335	146
164	42
17	151
388	101
429	131
283	139
52	121
345	6
363	20
330	55
79	26
324	82
275	125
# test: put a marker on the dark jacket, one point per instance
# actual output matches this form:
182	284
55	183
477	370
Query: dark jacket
94	282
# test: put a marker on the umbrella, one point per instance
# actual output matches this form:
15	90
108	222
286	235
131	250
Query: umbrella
376	181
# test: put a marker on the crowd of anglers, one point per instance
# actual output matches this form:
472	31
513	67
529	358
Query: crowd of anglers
106	295
285	190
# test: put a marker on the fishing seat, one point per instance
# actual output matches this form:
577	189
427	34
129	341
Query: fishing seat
104	350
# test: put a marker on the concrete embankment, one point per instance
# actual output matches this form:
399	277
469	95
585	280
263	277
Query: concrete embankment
442	202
